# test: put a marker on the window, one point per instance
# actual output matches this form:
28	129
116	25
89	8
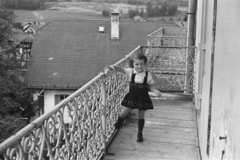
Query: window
59	98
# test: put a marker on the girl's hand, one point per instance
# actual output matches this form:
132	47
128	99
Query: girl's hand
158	94
111	68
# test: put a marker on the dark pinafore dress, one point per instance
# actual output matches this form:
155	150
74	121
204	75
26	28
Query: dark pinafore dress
138	97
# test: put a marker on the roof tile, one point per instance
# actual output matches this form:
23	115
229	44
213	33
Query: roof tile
79	52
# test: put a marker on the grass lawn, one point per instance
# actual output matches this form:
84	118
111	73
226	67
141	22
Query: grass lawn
48	15
78	10
69	10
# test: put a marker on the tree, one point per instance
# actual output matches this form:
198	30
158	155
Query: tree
157	10
23	4
6	19
105	13
136	10
149	9
15	99
164	9
172	9
131	13
142	12
185	18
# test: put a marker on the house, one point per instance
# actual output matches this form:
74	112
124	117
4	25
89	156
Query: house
139	18
25	45
66	54
23	39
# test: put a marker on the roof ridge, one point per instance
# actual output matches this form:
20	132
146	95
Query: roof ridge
62	20
109	20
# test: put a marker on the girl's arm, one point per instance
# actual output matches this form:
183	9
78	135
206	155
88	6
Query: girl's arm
117	69
153	89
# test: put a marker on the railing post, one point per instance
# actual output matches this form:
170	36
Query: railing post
104	104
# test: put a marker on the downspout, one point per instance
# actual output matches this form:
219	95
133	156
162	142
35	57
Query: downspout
190	42
191	34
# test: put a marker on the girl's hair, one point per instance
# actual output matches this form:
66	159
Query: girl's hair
139	56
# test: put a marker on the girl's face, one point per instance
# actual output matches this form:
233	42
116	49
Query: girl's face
139	65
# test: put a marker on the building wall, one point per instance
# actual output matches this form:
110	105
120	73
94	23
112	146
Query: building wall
226	77
49	100
226	82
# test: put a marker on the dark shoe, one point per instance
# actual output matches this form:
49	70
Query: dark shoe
119	122
140	137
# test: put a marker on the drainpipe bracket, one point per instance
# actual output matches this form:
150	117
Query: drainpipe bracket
201	46
198	96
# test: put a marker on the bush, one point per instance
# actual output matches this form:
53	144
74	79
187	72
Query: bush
163	19
105	13
166	9
185	18
17	25
135	2
179	19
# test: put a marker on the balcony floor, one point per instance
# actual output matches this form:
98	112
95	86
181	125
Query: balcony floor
169	133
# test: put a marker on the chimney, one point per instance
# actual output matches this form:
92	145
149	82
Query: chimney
115	25
101	30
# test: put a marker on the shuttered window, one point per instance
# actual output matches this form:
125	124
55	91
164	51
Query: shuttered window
59	98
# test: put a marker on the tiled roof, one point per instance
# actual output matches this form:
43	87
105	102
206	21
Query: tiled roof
69	53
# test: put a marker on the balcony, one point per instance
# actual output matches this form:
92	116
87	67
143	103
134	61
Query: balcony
82	126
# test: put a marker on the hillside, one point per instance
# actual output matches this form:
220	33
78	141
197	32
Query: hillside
78	10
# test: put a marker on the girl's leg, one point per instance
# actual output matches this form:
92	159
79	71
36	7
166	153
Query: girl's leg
122	117
141	114
141	122
125	112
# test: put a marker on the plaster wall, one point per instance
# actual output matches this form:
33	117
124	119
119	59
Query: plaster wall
226	83
226	77
49	100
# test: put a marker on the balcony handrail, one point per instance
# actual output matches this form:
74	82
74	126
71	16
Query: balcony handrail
167	37
161	32
190	47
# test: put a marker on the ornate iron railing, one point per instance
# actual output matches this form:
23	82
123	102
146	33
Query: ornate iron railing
172	67
170	60
79	127
174	31
167	41
168	37
170	31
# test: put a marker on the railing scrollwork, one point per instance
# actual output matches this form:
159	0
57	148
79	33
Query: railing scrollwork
79	127
172	67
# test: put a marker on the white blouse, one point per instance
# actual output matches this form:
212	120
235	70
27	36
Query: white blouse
139	77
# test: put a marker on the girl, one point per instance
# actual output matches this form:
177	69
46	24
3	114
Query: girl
137	98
